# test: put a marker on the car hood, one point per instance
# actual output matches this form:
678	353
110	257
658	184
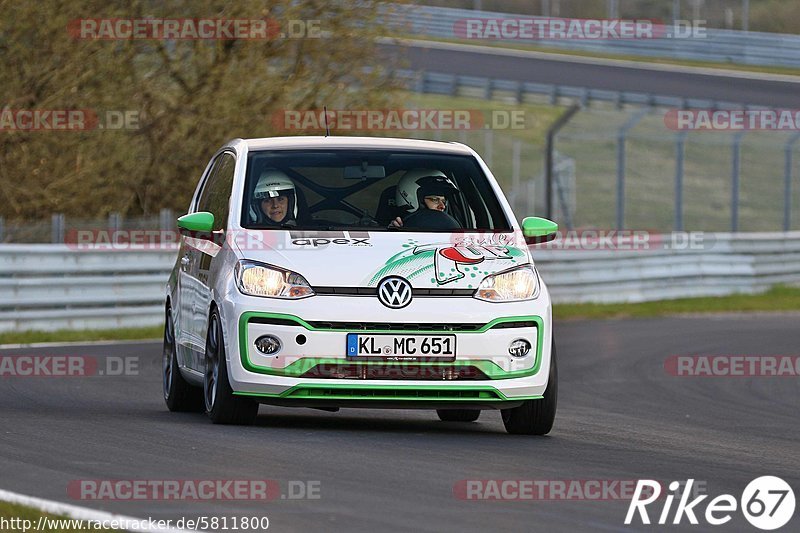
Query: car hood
362	259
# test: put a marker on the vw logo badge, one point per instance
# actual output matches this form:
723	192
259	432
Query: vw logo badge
394	292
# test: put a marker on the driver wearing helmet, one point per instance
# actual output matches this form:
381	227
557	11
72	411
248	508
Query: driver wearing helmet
275	199
424	193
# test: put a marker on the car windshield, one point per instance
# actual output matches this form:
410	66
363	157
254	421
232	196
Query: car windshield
369	189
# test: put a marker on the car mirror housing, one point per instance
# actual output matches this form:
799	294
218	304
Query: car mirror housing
197	224
537	230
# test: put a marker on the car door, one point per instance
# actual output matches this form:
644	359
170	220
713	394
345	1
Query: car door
188	343
215	199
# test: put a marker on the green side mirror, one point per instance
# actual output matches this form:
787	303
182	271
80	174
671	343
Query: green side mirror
202	222
538	230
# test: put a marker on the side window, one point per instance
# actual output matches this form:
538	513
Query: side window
216	194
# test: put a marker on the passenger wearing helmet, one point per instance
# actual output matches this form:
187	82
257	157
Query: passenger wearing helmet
424	194
275	199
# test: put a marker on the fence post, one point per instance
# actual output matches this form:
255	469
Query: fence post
2	229
621	137
746	15
735	173
57	223
488	138
612	9
549	162
680	152
621	178
113	222
166	220
787	183
515	170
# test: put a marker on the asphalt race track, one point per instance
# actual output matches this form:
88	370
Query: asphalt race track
780	94
621	417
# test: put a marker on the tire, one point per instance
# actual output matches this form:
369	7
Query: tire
222	407
458	415
179	395
535	417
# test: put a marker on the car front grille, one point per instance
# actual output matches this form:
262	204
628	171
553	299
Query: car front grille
373	291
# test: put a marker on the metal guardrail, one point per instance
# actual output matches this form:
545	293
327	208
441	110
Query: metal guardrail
728	263
49	287
734	46
528	92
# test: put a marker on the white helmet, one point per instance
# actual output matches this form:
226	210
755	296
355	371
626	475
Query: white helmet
271	184
420	182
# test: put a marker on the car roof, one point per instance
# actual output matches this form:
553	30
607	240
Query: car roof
334	142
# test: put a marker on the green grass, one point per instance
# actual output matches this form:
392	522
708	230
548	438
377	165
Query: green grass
10	511
28	337
590	141
538	118
779	298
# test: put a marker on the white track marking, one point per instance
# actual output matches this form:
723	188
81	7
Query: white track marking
78	513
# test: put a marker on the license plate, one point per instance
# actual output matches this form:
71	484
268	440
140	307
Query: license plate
402	347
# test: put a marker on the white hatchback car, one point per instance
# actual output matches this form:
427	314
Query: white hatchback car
331	272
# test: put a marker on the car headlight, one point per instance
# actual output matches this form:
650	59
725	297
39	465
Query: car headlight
258	279
521	283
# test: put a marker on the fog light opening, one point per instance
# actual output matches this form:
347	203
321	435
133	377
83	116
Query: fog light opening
268	344
519	348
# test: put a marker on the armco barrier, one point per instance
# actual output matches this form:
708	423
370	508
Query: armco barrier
734	46
726	264
53	286
47	287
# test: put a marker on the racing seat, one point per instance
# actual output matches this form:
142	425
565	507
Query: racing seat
387	210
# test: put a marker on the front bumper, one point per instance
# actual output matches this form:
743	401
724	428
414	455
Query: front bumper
495	380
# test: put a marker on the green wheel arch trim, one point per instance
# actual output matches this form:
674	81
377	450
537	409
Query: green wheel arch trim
301	366
455	393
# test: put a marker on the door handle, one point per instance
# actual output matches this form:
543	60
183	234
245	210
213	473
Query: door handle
184	261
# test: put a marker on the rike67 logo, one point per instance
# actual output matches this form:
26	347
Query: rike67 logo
767	503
